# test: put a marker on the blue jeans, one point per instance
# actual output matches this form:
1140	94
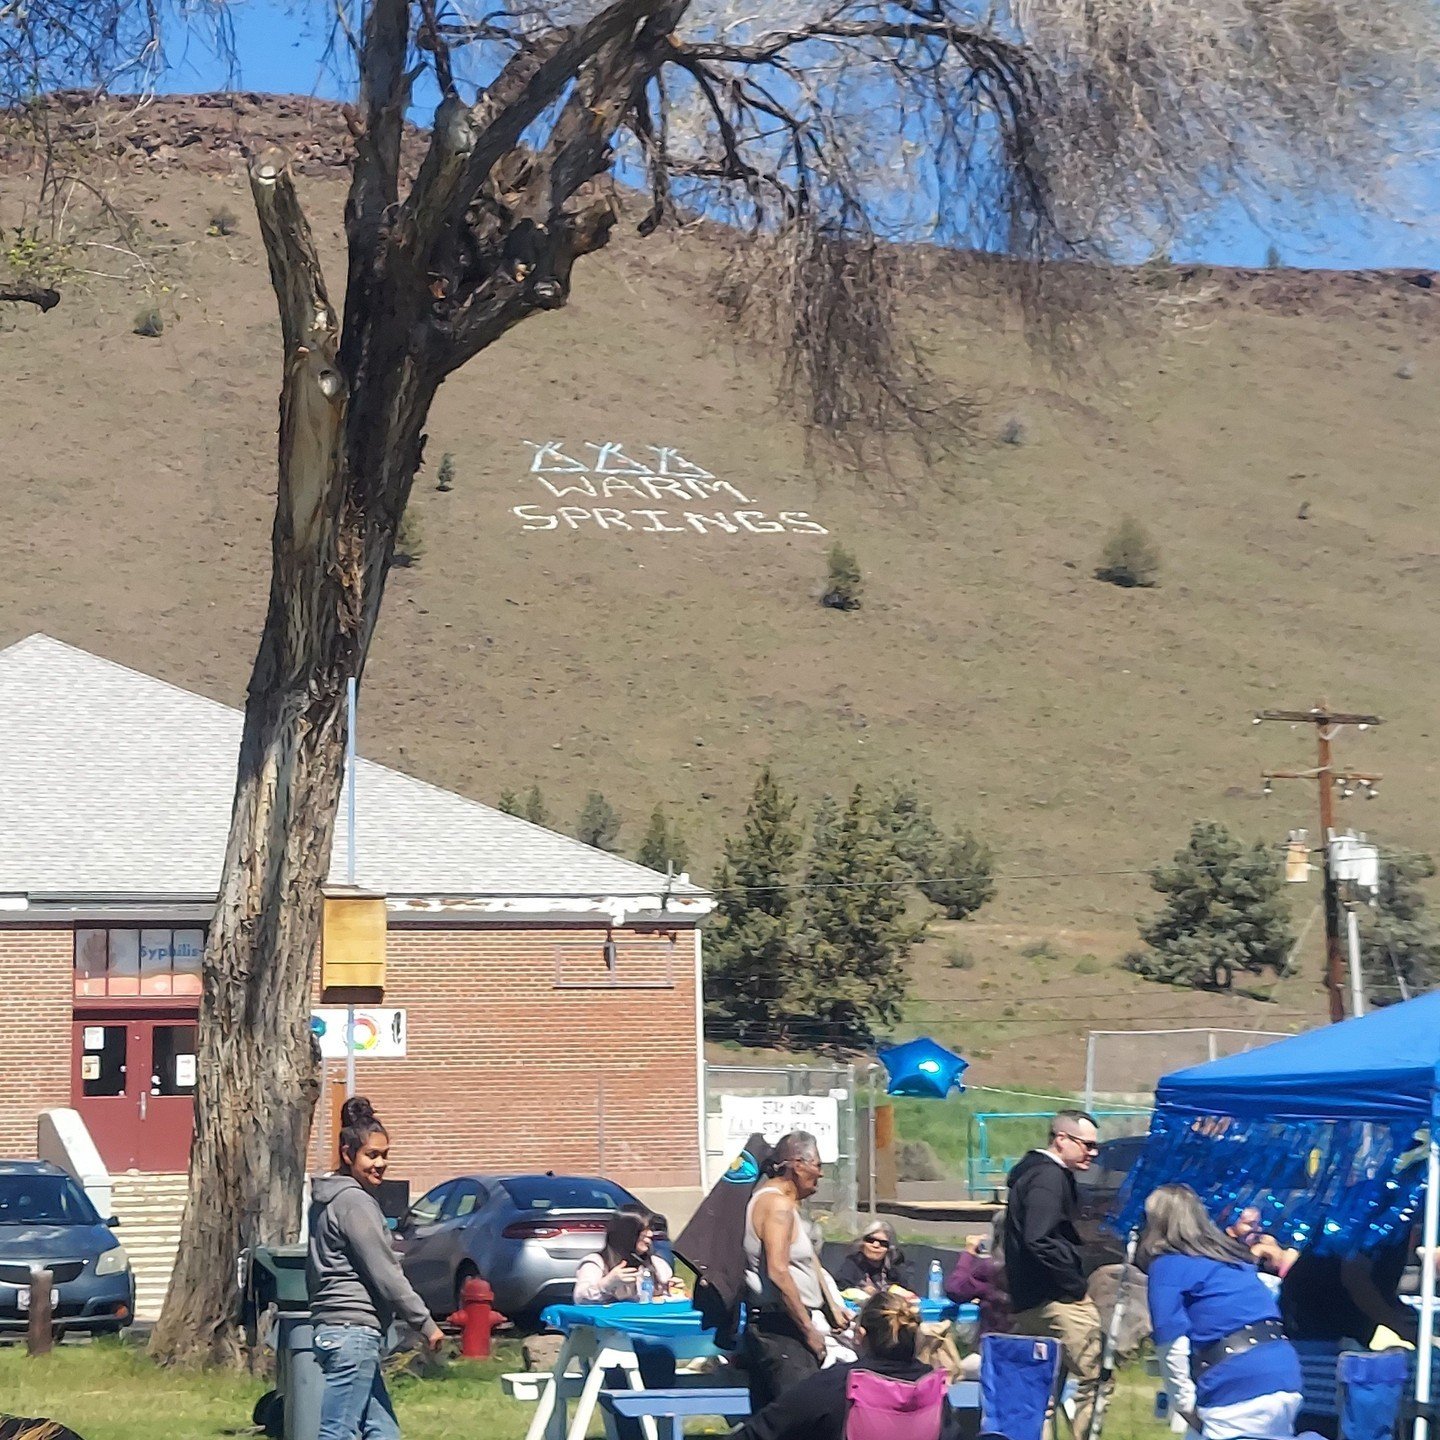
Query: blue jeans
356	1403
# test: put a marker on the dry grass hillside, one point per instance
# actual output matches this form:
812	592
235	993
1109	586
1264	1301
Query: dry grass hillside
1079	726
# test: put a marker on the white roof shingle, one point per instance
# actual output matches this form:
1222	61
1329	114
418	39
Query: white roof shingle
113	783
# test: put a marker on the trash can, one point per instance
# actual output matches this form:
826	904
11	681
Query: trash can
274	1281
300	1384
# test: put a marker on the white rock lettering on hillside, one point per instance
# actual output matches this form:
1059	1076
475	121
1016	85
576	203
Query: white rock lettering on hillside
661	494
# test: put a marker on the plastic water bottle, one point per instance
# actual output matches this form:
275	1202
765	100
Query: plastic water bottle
645	1286
935	1290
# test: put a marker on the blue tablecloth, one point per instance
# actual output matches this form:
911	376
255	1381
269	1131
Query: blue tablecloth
675	1318
659	1320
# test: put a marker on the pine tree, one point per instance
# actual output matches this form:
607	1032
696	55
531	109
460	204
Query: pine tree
599	822
918	839
1225	914
843	584
663	846
856	936
752	942
1129	558
962	877
511	804
535	811
1399	938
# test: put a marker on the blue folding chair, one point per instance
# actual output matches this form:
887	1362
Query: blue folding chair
1372	1386
1019	1383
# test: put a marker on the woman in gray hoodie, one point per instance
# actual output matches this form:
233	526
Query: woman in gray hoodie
356	1284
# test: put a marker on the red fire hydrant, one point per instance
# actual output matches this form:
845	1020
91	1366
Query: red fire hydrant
476	1317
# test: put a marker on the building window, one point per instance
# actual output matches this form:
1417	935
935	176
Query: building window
126	962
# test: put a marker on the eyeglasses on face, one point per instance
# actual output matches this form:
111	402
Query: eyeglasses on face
1091	1146
879	1240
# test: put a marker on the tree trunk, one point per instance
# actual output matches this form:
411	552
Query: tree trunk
347	453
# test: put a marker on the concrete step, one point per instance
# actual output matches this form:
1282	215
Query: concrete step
149	1208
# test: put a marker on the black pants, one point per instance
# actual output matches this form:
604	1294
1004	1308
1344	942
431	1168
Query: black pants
775	1356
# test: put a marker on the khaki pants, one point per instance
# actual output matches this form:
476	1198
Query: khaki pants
1076	1325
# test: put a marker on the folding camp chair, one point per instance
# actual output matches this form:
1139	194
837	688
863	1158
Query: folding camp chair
1372	1386
1019	1384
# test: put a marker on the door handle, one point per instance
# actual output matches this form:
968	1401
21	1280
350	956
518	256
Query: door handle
144	1103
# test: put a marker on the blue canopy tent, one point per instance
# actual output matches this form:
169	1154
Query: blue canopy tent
1333	1134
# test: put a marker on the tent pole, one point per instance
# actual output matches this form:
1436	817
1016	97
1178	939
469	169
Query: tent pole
1425	1348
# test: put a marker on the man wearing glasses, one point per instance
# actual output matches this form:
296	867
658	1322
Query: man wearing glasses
1042	1254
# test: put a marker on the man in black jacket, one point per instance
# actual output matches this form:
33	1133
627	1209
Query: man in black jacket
1042	1254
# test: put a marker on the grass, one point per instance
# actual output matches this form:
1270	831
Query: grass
110	1391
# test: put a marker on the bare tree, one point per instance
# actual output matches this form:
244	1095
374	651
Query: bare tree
825	130
57	57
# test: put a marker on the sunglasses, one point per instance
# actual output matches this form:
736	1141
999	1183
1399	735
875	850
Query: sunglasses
1091	1146
879	1240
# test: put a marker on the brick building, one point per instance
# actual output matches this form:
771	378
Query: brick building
541	1009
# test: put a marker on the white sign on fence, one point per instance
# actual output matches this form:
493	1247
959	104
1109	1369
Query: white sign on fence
379	1034
775	1115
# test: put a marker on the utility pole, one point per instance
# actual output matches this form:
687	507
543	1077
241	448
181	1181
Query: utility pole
1327	725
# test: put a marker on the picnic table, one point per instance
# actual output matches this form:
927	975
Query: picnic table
599	1338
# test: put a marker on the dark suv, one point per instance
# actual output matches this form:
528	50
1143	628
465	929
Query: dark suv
1099	1189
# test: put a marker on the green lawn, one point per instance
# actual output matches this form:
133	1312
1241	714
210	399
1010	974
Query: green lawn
111	1391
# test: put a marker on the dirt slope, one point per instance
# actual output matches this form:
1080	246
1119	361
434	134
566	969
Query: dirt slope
1080	726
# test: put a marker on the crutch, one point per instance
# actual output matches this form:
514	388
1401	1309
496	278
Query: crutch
1112	1339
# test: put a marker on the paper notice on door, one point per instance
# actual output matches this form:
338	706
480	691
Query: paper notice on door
89	1067
94	1037
184	1071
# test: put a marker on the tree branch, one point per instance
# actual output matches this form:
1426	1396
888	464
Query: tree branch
44	297
313	392
529	82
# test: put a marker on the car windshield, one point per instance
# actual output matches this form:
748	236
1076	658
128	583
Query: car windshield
560	1192
44	1200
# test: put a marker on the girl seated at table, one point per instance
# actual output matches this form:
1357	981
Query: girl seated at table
614	1272
816	1408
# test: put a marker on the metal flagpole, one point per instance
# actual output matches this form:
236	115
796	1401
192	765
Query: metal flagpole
872	1140
350	694
1425	1349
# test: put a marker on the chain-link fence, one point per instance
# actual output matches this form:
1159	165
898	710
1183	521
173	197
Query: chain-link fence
1123	1066
773	1099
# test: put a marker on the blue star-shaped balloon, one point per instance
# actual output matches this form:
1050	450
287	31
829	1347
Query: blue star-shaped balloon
922	1068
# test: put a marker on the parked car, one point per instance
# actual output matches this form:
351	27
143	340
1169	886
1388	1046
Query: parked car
1099	1188
525	1234
48	1223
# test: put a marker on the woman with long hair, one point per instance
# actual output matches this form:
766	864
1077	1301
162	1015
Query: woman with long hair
613	1272
979	1276
818	1408
874	1262
357	1287
1228	1368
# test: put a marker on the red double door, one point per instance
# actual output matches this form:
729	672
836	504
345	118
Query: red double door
134	1085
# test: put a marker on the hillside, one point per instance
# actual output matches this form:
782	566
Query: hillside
1079	726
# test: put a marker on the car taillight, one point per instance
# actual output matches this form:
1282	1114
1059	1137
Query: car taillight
550	1229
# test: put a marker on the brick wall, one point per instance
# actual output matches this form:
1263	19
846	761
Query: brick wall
36	980
522	1052
521	1055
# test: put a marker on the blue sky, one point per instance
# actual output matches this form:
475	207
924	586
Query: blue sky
282	51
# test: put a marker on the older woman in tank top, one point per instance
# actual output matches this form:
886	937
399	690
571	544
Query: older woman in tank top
785	1297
